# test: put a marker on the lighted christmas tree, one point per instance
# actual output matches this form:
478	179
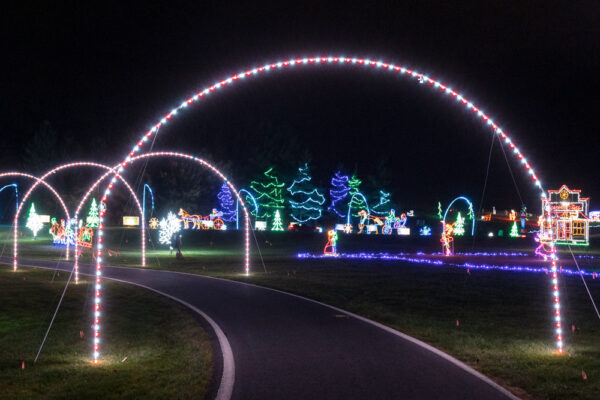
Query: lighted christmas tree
439	214
268	194
227	204
514	230
306	201
384	205
471	212
358	202
34	223
459	226
277	223
92	218
338	192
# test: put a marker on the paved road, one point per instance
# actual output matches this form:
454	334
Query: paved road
286	347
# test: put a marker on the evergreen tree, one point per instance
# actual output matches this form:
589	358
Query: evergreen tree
92	218
306	201
471	212
459	226
227	204
384	206
33	221
277	223
338	192
268	194
357	203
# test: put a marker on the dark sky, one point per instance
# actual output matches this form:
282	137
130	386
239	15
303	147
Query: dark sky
101	75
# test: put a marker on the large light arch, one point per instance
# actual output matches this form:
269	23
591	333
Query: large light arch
61	168
102	214
394	69
15	219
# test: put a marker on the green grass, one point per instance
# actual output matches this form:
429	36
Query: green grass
505	326
152	347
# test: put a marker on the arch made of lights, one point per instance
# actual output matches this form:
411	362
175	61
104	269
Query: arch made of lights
16	218
61	168
237	208
366	64
463	198
16	188
86	196
102	215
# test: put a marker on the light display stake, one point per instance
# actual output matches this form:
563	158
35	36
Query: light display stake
167	228
226	203
33	221
277	223
351	62
92	218
269	194
338	192
307	203
439	214
331	245
459	225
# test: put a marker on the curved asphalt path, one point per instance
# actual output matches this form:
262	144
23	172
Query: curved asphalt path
288	347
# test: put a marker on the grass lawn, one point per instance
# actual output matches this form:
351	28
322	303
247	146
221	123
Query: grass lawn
152	346
500	323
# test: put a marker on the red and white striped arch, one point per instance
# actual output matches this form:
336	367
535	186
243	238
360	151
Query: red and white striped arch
15	220
79	164
320	61
100	241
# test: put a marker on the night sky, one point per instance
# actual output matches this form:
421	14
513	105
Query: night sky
96	77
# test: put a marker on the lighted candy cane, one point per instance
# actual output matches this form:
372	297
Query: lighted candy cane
52	172
137	202
102	215
16	218
359	63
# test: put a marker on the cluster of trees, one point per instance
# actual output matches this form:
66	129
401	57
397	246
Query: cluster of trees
301	200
